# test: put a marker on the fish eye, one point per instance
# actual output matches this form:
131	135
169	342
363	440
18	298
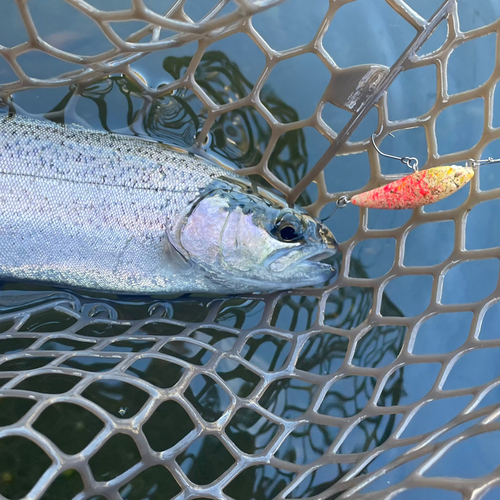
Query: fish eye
287	233
288	228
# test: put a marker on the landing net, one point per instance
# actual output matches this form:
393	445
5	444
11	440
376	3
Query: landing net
381	385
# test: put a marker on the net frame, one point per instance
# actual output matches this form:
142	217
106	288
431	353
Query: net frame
369	92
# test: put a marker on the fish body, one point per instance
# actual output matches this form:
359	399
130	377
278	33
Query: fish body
101	211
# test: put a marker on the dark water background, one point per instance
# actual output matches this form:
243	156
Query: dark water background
366	31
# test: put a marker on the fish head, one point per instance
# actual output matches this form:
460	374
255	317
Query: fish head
248	241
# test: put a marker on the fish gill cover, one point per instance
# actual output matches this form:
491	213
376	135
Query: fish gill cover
382	384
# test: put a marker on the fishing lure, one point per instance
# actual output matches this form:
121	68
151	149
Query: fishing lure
417	189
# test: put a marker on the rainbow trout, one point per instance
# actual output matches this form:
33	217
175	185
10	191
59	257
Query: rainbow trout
102	211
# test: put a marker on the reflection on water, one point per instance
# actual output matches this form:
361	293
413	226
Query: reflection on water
157	343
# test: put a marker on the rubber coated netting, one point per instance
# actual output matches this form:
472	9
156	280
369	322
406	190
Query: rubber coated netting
382	384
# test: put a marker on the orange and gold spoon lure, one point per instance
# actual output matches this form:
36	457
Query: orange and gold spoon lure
417	189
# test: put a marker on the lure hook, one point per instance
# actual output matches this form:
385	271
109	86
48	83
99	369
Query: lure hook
409	161
340	203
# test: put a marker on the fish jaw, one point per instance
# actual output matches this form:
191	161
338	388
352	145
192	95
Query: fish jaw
308	270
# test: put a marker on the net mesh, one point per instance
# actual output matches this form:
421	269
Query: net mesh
300	394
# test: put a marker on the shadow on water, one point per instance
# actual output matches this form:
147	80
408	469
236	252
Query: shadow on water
238	136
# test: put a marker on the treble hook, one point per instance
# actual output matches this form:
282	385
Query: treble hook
409	161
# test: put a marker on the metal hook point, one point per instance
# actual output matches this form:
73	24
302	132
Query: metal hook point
409	161
340	203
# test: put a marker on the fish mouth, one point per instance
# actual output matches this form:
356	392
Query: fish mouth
310	269
311	258
312	272
322	255
314	266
